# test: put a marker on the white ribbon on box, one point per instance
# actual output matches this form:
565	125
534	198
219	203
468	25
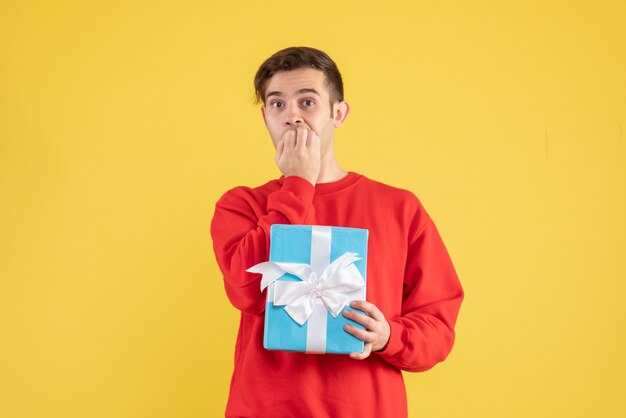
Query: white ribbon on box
324	287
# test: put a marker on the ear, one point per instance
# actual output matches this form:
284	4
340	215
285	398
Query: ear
340	113
263	113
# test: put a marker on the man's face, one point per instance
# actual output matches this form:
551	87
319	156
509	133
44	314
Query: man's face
301	98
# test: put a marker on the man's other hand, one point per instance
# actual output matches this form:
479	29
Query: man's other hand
377	331
298	154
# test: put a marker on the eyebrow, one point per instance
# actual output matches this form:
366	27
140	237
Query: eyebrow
278	93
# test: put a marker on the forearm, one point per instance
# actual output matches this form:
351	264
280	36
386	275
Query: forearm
241	236
420	340
423	333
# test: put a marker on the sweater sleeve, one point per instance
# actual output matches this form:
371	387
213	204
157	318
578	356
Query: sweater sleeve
240	231
423	334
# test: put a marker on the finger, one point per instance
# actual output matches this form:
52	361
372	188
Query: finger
309	127
289	138
366	321
359	333
369	308
301	134
367	350
313	139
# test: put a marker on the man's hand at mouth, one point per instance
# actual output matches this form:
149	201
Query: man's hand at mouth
298	153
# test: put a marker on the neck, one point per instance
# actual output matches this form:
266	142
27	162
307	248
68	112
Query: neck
330	171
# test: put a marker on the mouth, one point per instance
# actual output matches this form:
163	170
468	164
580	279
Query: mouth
304	125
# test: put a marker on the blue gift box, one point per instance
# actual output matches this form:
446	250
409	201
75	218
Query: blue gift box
314	245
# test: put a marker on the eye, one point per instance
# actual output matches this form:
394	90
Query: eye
276	104
308	102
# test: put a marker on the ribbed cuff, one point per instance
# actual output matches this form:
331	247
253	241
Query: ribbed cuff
394	345
300	187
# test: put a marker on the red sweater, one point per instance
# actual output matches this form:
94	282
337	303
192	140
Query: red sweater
410	278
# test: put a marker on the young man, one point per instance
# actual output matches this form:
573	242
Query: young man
413	292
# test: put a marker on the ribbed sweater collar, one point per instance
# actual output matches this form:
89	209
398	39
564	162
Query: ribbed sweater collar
335	186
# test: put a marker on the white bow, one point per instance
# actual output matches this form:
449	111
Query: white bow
339	284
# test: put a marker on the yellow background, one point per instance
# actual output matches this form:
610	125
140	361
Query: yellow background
122	123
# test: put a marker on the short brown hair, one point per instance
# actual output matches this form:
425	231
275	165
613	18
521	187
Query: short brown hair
294	58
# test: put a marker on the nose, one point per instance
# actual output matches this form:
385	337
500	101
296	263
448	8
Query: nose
293	118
